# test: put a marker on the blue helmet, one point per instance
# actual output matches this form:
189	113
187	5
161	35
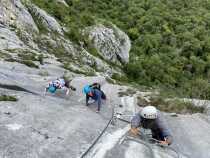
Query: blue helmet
52	89
86	89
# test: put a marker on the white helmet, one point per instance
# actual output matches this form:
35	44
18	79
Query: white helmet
149	112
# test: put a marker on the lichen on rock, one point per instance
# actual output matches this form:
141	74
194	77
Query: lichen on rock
111	43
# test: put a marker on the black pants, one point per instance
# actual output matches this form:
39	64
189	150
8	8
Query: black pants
103	96
98	86
158	136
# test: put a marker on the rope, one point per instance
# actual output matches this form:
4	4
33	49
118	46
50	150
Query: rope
96	140
124	120
147	144
142	142
157	142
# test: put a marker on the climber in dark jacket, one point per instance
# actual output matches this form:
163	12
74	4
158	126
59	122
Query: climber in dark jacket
149	118
94	92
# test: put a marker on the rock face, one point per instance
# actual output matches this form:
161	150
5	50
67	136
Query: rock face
38	126
17	25
15	15
25	26
112	44
9	40
49	22
56	125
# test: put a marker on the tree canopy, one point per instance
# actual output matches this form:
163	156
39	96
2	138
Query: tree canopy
170	38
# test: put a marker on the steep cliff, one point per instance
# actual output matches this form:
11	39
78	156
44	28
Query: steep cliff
27	28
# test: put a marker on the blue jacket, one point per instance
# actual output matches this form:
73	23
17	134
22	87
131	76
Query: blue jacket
97	94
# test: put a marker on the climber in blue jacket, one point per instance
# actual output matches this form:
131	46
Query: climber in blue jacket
94	92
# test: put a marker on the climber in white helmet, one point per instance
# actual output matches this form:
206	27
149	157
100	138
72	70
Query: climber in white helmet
149	118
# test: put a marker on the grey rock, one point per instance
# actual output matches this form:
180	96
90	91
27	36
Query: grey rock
9	40
50	44
14	14
99	65
19	31
113	44
81	60
61	126
50	126
63	2
48	21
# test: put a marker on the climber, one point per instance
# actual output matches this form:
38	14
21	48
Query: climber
94	92
149	118
59	83
96	85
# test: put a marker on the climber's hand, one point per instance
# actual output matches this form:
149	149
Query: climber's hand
134	131
163	142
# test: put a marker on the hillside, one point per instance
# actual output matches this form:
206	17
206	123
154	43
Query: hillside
168	37
127	40
142	52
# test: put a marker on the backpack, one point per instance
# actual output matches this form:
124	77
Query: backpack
96	86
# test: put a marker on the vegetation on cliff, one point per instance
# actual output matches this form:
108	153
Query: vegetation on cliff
170	38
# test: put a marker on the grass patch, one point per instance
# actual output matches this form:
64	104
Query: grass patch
11	59
43	73
77	71
141	101
27	56
174	105
41	59
39	24
8	98
29	63
120	78
4	55
128	92
111	81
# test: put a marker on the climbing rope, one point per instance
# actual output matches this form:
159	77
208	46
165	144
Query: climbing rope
129	138
100	135
146	142
157	142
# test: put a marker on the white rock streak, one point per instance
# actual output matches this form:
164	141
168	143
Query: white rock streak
108	142
14	126
128	104
134	151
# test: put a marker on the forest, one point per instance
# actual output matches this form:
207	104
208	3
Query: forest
170	39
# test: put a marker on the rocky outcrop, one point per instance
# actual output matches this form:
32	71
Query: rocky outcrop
9	40
15	19
111	43
63	2
48	21
13	14
81	60
25	26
